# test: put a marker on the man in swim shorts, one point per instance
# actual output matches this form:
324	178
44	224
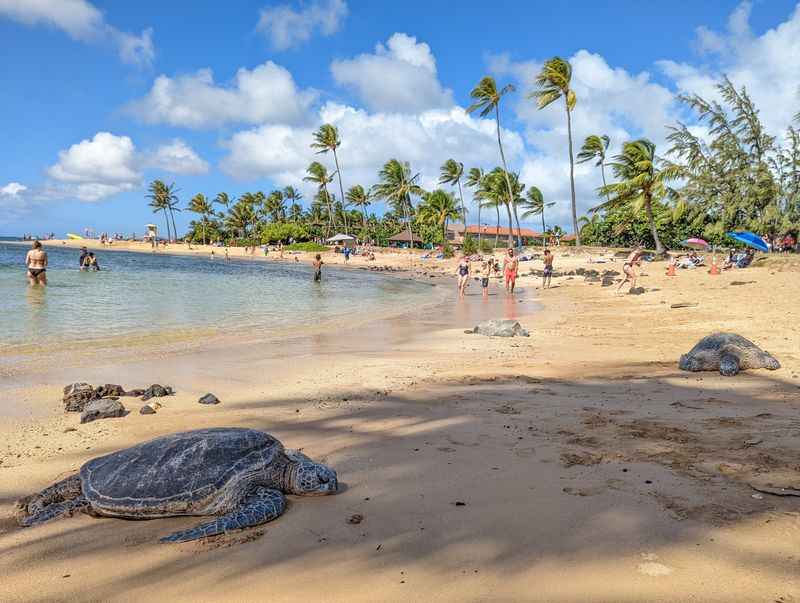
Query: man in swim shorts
547	273
36	262
510	266
317	265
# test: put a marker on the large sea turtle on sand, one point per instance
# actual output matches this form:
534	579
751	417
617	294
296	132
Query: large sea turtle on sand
727	352
238	475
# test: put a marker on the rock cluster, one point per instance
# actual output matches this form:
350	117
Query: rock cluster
78	395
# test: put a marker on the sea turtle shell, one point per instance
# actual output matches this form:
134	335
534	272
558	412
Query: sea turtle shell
188	473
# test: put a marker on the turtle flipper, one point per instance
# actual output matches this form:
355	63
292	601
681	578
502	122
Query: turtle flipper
260	506
56	510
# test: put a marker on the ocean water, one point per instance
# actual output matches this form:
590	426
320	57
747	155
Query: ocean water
142	295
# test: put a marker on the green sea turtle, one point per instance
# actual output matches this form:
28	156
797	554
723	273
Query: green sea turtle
727	352
238	475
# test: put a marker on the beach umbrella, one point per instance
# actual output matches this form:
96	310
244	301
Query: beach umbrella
750	239
695	243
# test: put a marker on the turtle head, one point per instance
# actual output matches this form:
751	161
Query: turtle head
728	365
307	478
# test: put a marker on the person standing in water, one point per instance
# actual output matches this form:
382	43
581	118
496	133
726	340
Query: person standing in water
317	264
84	255
486	272
463	275
547	273
629	268
510	266
36	263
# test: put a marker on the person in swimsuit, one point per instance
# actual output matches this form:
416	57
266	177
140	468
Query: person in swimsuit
90	263
634	259
486	272
510	266
547	273
84	255
463	275
317	264
36	263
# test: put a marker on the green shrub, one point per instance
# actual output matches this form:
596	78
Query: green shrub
470	245
309	246
447	250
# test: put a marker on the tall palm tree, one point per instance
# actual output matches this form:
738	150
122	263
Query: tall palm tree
534	206
640	182
487	99
595	147
359	197
396	187
275	206
295	212
436	209
292	195
222	199
474	178
200	205
326	138
159	202
318	174
497	182
554	82
171	197
239	216
451	173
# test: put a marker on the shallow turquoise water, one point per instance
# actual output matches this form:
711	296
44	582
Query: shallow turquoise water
137	294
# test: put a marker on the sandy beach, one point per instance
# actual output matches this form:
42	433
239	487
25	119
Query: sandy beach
578	464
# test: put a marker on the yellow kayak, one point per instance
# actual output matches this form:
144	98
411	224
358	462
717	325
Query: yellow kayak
73	236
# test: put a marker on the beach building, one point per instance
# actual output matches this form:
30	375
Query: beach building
401	239
455	233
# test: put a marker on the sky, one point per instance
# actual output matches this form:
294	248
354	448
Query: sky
100	98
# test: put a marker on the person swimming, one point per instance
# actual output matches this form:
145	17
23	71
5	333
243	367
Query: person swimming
36	263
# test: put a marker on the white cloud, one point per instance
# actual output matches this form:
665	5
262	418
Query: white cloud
286	27
268	93
398	77
81	21
12	189
766	65
282	153
176	157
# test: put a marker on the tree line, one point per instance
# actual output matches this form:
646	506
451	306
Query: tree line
733	176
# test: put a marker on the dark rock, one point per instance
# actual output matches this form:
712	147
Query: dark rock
134	393
500	328
208	399
102	409
157	391
636	291
77	395
108	390
147	410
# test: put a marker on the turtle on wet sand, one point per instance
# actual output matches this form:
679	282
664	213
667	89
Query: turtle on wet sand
238	475
727	352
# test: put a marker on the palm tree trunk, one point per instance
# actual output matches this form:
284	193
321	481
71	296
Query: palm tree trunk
572	177
510	225
508	180
543	228
603	174
519	230
174	228
204	229
166	219
331	215
648	206
479	226
497	229
463	207
341	188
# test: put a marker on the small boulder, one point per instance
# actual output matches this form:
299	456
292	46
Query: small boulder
150	408
102	409
134	393
157	391
500	328
77	395
108	390
208	399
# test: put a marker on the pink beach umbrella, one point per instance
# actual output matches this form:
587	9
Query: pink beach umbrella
695	243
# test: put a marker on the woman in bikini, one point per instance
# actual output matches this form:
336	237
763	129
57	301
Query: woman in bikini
463	275
36	262
629	268
510	265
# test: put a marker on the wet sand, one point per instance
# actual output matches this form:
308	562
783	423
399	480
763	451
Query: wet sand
589	467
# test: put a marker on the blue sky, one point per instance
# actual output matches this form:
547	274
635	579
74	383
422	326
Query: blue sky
101	97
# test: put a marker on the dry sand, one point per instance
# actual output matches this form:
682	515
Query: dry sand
576	465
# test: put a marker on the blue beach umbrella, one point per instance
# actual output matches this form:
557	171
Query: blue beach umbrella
749	238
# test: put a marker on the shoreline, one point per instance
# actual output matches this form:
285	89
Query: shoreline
580	453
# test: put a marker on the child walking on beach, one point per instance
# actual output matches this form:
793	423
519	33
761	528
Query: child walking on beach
486	272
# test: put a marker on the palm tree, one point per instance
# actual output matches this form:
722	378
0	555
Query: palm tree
556	233
171	201
158	201
295	212
240	215
292	195
326	138
497	191
200	205
224	200
451	173
535	206
554	81
357	196
275	206
396	187
436	209
640	182
595	147
487	99
318	174
474	178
